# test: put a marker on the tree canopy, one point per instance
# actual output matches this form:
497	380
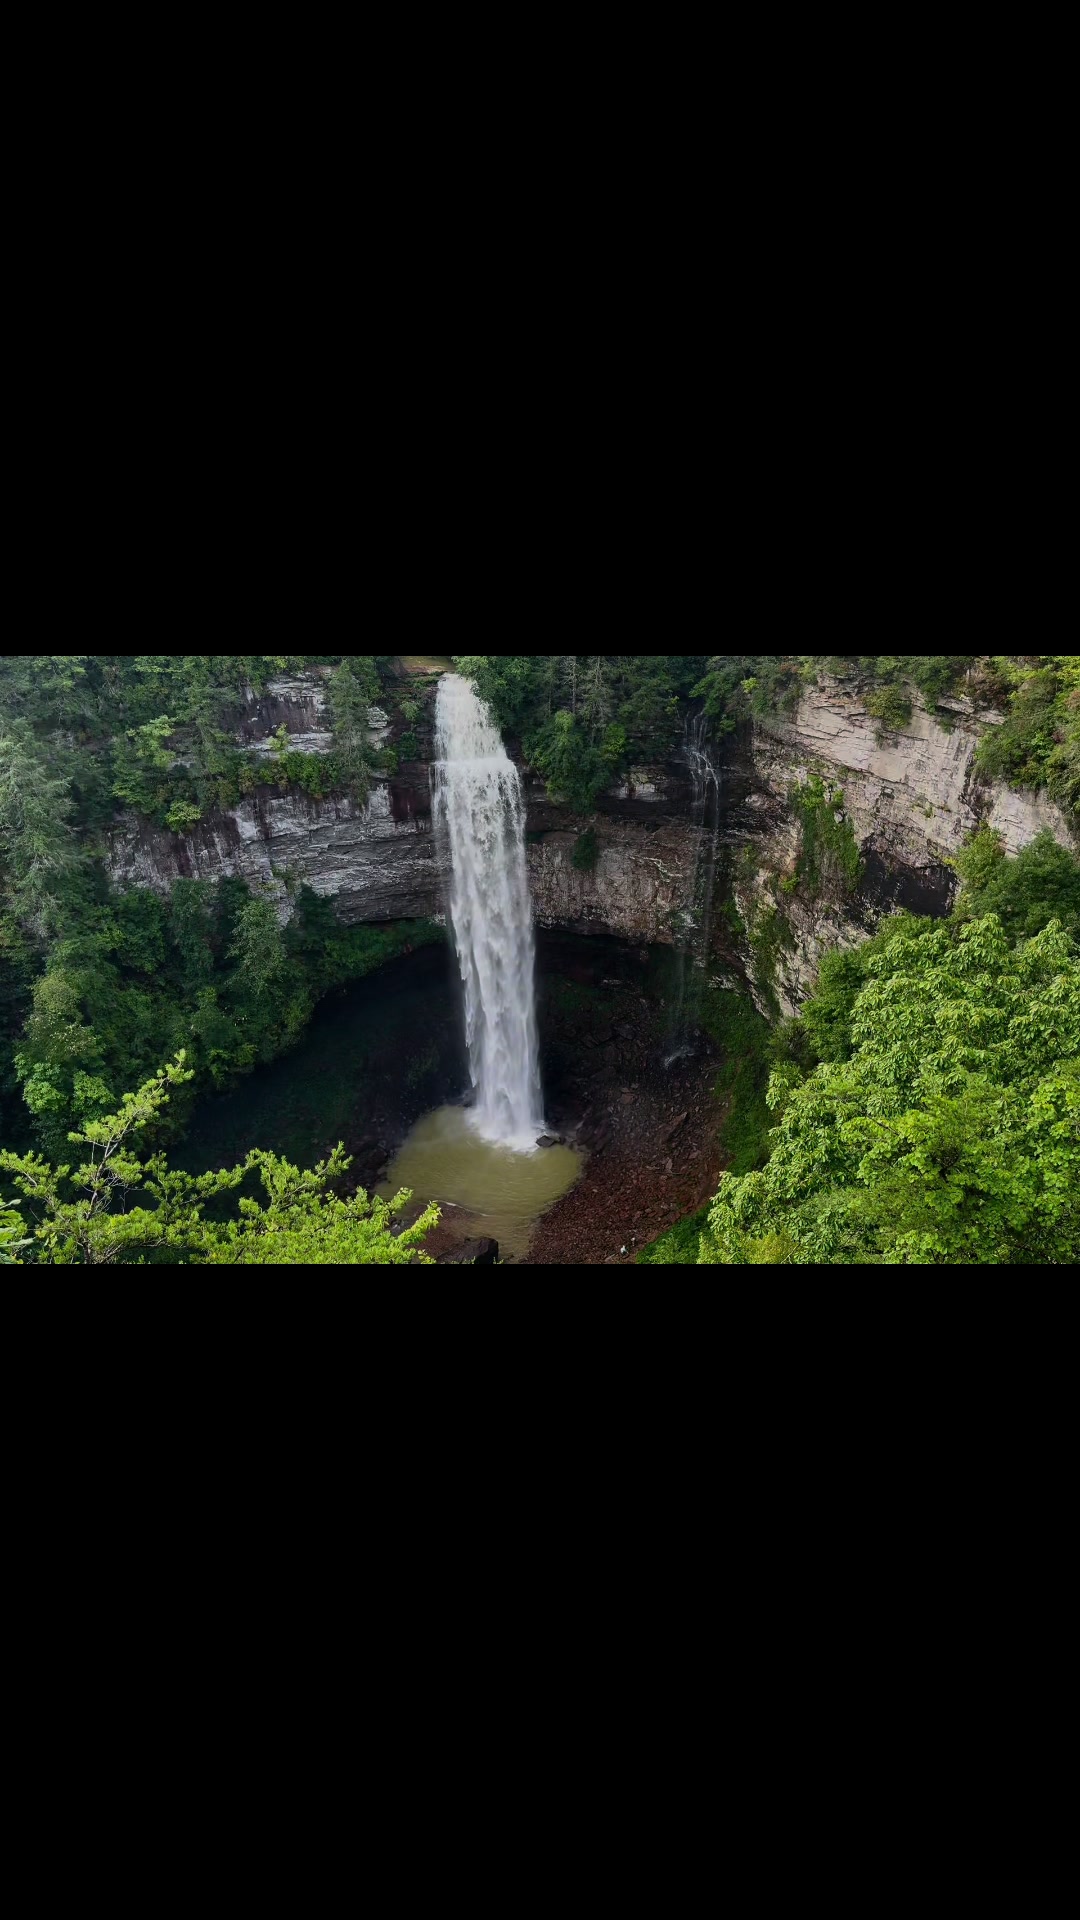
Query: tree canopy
123	1204
943	1128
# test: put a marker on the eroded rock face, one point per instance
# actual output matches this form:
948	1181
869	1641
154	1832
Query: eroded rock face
1018	817
297	702
379	862
912	799
912	795
640	881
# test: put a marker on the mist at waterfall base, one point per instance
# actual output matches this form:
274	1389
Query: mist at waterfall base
484	1157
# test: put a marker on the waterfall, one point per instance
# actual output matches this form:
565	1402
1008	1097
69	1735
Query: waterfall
478	803
697	927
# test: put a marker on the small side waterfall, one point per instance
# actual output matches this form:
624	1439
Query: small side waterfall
696	935
477	801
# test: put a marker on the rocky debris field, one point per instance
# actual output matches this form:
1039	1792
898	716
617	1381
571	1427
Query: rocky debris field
649	1130
653	1158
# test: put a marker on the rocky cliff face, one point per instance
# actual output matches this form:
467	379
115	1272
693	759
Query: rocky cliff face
378	862
299	704
910	800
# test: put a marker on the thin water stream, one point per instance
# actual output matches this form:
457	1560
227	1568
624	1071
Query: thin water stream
695	936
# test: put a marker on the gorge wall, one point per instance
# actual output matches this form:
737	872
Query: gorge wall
909	798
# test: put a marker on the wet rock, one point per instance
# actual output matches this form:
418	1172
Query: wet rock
670	1131
479	1253
548	1140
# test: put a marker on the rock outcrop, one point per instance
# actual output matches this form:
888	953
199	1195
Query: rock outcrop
300	704
639	884
912	798
378	862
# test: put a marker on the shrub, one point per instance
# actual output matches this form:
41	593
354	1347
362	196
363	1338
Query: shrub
1037	885
891	705
586	851
830	854
182	816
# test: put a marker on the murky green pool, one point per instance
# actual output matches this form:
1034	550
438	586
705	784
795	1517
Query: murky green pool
505	1193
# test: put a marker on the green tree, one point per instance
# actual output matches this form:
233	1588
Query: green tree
258	948
1027	890
574	770
38	852
125	1206
11	1237
142	762
354	689
517	687
950	1135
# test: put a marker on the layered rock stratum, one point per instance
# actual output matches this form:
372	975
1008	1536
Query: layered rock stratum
911	797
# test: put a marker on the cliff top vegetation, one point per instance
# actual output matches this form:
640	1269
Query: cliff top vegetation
582	718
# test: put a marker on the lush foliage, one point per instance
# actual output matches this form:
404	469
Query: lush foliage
679	1246
11	1235
1026	891
94	984
210	970
123	1204
585	718
744	1038
81	734
1036	744
829	857
945	1126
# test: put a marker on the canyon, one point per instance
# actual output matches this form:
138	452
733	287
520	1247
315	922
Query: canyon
910	799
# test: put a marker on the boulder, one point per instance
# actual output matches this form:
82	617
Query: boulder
479	1253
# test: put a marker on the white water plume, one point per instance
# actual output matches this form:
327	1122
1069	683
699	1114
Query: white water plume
478	803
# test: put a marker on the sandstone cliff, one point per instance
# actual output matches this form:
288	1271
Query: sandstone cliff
910	800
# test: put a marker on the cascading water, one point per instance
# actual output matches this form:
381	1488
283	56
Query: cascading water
478	803
705	814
